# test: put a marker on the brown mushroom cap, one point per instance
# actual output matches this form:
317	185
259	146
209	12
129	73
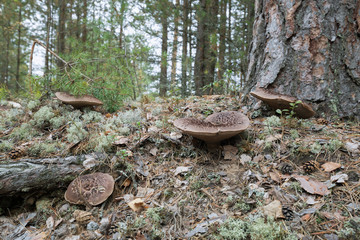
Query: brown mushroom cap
216	127
280	101
83	101
90	189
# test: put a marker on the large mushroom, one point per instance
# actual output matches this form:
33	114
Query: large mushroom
78	102
91	189
215	128
281	101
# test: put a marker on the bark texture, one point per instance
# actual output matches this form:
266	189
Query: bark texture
31	175
309	49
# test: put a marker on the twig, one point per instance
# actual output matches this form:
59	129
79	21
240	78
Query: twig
57	56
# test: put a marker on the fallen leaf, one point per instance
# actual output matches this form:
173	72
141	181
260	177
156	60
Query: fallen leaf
175	135
273	138
275	176
312	186
120	140
154	151
50	222
306	217
153	129
339	178
137	205
144	192
181	170
330	166
126	182
245	159
274	209
230	152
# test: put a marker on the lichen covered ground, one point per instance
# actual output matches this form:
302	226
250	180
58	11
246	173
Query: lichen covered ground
253	186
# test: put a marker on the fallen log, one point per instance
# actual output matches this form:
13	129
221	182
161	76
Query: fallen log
29	175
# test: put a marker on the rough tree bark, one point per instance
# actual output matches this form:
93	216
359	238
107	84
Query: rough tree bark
31	175
309	49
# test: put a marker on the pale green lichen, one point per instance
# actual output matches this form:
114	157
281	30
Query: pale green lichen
33	104
42	116
57	122
25	131
6	145
273	121
315	148
43	149
235	229
131	117
91	117
351	229
76	132
254	228
334	144
102	143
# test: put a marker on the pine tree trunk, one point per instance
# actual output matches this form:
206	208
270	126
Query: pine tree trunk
163	65
84	19
18	60
222	47
184	61
47	41
61	30
206	49
175	46
309	49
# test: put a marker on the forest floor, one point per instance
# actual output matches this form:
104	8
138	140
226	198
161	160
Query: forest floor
283	178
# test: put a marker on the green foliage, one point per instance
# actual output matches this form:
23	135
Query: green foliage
290	113
4	92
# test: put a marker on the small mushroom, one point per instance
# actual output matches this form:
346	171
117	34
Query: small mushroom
91	189
280	101
215	128
78	102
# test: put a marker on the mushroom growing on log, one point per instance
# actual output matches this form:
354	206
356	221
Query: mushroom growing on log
78	102
215	128
91	189
280	101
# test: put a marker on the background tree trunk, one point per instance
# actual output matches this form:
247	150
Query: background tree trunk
163	65
175	46
308	49
184	60
206	48
61	30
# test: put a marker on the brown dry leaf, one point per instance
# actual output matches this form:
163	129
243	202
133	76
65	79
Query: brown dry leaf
230	152
137	205
126	183
312	186
275	176
154	151
306	217
330	166
120	140
274	209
